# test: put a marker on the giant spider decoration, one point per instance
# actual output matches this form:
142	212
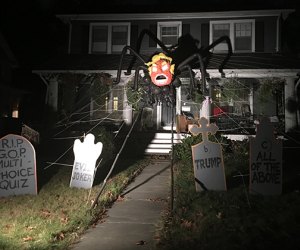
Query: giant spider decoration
161	76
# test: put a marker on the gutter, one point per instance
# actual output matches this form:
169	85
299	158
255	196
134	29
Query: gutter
173	16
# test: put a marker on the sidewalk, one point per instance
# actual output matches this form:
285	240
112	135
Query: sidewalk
131	223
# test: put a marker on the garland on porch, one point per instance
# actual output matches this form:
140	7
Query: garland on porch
233	88
100	87
69	85
270	87
135	98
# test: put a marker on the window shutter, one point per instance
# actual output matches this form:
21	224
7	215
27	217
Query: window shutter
259	37
153	29
134	36
185	29
204	35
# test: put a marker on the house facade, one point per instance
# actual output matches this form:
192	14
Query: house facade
257	80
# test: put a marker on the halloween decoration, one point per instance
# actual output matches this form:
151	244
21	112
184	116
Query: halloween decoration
160	76
161	70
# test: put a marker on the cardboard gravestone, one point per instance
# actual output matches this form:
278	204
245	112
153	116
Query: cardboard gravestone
86	155
17	166
265	161
207	159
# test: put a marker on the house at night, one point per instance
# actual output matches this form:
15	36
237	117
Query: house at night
10	96
258	79
13	106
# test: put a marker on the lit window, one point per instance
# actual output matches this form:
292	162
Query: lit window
240	32
108	38
116	103
15	114
169	32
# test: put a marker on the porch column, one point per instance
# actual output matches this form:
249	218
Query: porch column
158	115
289	92
178	101
127	109
251	98
110	101
53	93
91	108
205	110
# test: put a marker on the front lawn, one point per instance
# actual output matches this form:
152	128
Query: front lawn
56	217
231	219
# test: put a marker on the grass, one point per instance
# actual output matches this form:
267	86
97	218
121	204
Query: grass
231	219
56	217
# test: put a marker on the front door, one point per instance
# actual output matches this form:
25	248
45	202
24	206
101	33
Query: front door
168	113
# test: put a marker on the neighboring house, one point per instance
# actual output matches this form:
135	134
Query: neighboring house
12	98
9	96
259	55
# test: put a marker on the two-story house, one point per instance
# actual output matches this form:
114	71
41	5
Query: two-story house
257	80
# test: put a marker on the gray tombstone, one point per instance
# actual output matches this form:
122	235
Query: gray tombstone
17	166
265	161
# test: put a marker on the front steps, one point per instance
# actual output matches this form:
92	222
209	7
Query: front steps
161	144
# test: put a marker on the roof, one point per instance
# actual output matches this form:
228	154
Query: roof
175	15
65	62
89	63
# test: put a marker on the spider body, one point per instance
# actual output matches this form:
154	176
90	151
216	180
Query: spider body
159	84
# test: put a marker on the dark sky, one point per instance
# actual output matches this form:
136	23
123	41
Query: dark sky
96	6
34	32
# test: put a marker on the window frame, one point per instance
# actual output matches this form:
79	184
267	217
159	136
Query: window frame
168	24
232	32
109	35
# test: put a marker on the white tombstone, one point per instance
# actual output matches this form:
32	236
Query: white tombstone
208	159
265	161
17	166
86	155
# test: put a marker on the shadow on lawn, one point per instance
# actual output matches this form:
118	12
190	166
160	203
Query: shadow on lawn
53	154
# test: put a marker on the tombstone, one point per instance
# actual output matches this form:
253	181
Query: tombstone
86	155
17	166
265	161
207	159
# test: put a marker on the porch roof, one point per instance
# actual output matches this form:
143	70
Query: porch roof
91	63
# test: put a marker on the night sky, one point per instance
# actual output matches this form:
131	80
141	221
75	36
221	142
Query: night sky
34	33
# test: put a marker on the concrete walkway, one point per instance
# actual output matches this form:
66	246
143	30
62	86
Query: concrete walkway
131	223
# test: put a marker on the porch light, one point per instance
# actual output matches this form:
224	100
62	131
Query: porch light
15	114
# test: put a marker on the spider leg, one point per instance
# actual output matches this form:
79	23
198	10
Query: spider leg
229	53
136	76
121	61
202	68
139	43
192	81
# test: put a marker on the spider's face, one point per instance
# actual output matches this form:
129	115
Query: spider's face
160	69
160	73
